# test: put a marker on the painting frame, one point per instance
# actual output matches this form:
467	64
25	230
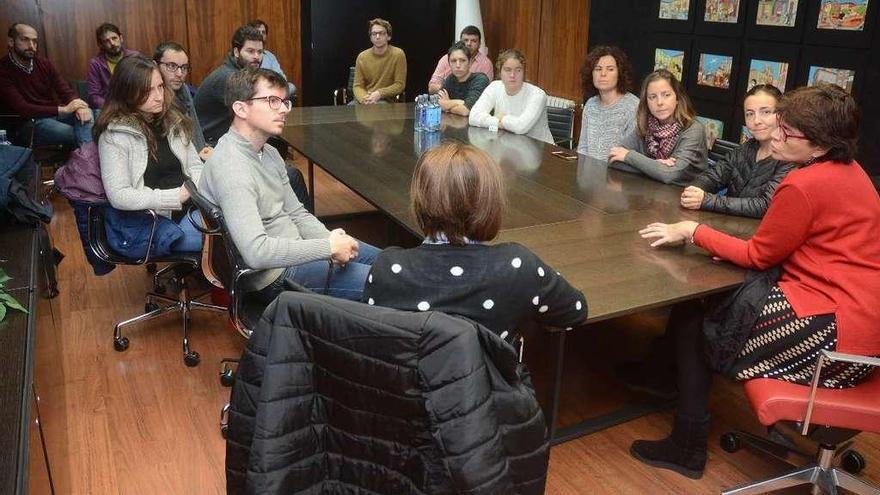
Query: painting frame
674	25
720	28
717	46
840	38
673	42
774	52
716	111
837	58
791	34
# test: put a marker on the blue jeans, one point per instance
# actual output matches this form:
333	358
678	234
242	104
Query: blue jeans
67	130
345	282
191	240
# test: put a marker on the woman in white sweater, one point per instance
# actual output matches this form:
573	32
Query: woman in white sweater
145	147
511	103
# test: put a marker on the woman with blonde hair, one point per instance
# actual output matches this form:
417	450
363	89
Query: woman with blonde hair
457	196
512	104
668	144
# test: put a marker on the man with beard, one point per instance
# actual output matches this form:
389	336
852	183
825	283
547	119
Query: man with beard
247	51
31	87
101	66
174	65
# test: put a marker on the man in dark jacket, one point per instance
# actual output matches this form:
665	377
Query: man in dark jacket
213	112
333	395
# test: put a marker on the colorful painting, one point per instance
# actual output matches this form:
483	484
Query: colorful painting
767	72
781	13
676	10
722	11
841	77
845	15
714	70
714	130
671	60
745	135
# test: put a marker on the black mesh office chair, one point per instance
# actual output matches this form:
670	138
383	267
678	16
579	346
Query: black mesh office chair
720	149
180	265
560	118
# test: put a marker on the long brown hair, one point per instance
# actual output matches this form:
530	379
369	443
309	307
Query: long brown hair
129	88
457	190
684	109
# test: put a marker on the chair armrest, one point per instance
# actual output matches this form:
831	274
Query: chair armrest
814	385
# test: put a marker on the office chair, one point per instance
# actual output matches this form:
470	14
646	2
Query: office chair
560	117
829	416
347	92
720	149
180	265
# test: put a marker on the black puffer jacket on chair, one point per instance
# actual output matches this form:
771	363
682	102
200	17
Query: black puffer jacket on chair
334	397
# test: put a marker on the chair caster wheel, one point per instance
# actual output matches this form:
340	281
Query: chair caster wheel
852	462
150	306
224	430
120	344
191	358
227	378
730	442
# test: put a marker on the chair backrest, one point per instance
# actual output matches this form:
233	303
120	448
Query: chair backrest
222	263
560	117
720	149
350	85
81	88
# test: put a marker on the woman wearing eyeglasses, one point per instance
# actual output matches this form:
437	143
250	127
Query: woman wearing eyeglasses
146	148
749	173
818	239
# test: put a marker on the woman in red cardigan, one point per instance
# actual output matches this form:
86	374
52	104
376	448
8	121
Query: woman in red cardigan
820	229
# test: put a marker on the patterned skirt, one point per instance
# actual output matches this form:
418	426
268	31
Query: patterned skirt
785	347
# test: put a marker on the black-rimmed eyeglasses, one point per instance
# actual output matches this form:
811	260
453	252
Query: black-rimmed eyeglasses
275	103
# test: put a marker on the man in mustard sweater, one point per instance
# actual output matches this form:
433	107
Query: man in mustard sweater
380	71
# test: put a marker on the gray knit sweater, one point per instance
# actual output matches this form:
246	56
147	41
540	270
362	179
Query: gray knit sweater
268	225
603	127
690	155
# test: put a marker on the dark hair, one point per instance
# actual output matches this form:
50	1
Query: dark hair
259	22
472	31
684	109
128	89
242	85
457	190
245	33
827	115
767	89
13	29
106	28
380	22
459	45
166	46
508	54
624	70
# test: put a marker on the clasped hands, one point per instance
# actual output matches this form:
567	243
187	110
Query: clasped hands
343	247
78	107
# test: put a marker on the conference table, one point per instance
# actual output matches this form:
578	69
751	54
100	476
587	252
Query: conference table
580	216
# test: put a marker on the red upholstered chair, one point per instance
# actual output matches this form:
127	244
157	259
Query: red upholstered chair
829	416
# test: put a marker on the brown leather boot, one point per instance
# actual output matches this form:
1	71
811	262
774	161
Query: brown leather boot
684	451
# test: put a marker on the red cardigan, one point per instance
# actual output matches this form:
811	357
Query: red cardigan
822	227
34	95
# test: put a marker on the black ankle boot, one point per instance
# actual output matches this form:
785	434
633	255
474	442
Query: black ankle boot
683	452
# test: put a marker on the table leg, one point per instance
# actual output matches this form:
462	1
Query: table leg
557	385
311	185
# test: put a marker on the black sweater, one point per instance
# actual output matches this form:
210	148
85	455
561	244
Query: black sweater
498	286
750	184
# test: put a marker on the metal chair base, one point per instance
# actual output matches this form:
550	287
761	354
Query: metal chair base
183	304
824	478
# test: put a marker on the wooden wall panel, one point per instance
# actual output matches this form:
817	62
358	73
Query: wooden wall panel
210	26
564	34
283	18
551	33
19	11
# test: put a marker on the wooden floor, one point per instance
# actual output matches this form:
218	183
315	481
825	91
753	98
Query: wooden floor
140	422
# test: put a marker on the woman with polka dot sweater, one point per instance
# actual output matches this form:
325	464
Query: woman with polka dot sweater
458	196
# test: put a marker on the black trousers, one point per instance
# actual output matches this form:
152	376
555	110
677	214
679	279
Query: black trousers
693	374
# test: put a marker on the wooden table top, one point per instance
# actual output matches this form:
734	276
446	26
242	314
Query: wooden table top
579	216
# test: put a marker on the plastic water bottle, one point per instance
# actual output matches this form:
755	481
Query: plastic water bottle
3	139
418	117
434	114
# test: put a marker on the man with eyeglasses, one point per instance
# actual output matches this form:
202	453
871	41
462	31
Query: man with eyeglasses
174	66
102	65
246	51
380	71
276	236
